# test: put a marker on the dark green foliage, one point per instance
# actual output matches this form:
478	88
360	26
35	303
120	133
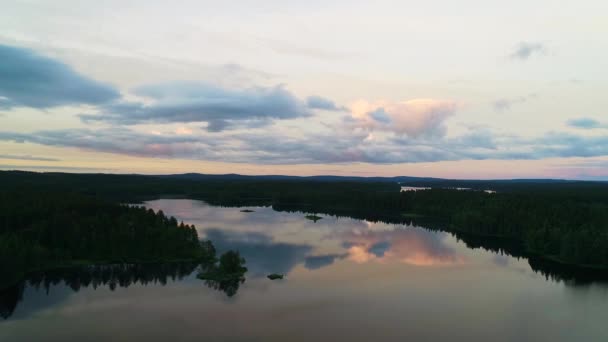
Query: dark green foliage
561	220
225	276
43	229
569	226
208	252
230	285
232	262
231	265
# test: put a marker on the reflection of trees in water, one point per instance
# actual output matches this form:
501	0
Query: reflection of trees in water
225	276
119	275
571	275
9	298
228	286
491	244
112	276
229	274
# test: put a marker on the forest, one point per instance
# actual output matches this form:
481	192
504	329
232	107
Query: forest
39	230
58	215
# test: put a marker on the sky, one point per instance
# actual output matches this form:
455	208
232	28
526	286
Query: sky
453	89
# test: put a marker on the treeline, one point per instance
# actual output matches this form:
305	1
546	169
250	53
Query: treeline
45	229
220	191
568	226
565	221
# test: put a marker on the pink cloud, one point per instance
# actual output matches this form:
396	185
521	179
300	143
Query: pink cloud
414	118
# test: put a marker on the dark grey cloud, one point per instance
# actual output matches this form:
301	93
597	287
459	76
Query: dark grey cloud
26	157
202	102
318	102
586	123
525	50
217	125
223	125
28	79
32	80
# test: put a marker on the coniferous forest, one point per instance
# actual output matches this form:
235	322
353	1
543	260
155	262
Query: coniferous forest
49	219
45	229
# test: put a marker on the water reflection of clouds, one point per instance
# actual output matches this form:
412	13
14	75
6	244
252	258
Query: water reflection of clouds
319	261
414	246
263	254
275	242
282	226
500	260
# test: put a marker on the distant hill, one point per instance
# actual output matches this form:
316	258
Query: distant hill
321	178
498	184
82	180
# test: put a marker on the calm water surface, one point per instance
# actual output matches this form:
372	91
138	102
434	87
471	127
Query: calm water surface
347	280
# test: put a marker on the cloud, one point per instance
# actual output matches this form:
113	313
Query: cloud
414	118
525	50
479	139
55	167
116	140
26	157
318	102
586	123
28	79
505	104
273	147
202	102
569	145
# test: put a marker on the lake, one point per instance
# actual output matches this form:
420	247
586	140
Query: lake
346	280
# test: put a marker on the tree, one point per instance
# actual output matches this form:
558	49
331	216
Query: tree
232	262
